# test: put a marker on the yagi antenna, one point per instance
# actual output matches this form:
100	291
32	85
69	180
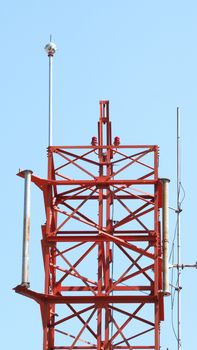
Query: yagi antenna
50	49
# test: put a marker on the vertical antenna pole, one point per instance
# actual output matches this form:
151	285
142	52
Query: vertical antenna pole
26	230
50	99
50	48
178	230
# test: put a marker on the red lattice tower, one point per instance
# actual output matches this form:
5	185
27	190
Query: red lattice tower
101	245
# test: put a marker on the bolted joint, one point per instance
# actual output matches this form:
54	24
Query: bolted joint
117	141
94	141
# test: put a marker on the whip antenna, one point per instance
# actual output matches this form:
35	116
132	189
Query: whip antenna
50	49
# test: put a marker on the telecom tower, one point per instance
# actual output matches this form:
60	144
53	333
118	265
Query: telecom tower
105	258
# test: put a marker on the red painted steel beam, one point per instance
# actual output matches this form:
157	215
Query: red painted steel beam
115	288
116	232
101	300
102	181
101	238
66	198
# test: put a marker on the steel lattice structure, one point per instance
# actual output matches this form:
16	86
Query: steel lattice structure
101	245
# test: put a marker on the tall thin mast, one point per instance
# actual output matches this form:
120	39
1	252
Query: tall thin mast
50	48
178	211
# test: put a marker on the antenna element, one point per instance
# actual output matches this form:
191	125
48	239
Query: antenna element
178	211
50	49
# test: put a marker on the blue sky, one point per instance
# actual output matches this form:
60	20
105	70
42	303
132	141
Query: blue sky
142	56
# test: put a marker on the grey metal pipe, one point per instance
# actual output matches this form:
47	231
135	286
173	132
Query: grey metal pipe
26	229
165	235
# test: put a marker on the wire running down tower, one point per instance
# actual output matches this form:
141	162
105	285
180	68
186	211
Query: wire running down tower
102	245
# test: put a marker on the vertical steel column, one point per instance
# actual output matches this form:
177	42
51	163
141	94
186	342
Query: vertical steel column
101	248
156	252
106	137
165	234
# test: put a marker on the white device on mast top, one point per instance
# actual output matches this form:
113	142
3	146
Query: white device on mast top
50	48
